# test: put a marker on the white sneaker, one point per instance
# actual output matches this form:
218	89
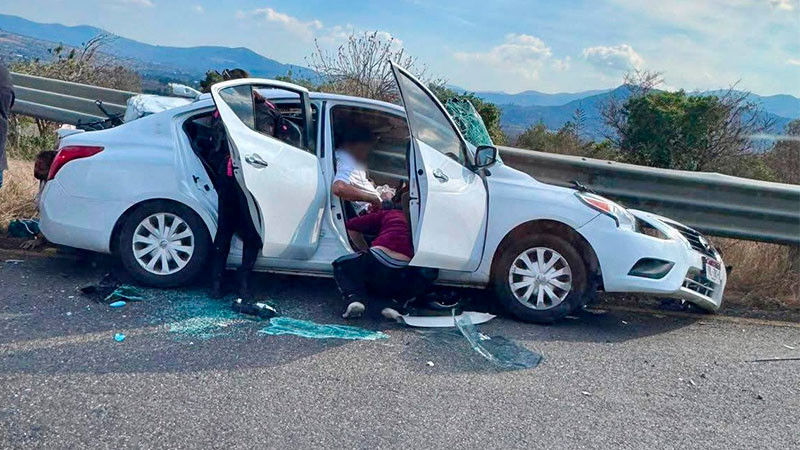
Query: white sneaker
354	310
392	314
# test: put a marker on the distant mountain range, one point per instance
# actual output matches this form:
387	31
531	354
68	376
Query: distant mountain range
24	39
535	98
519	111
185	63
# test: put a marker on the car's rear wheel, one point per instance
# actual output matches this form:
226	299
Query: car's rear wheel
163	244
540	278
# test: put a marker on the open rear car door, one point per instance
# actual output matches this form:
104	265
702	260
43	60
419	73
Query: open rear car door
285	183
448	200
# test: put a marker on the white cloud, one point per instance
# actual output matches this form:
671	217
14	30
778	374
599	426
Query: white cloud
199	9
793	62
786	5
521	54
616	58
144	3
303	29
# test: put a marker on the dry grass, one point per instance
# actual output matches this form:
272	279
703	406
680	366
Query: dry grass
18	191
765	276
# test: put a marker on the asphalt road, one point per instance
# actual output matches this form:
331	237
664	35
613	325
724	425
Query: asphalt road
618	379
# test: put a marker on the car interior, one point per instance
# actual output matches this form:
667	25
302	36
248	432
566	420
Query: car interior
207	134
388	161
387	164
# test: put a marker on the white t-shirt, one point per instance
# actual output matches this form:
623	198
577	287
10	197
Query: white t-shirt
354	173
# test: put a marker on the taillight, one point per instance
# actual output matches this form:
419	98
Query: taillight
70	153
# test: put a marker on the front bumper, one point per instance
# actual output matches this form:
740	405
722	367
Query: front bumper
618	251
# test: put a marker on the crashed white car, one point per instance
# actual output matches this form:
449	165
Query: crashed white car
143	191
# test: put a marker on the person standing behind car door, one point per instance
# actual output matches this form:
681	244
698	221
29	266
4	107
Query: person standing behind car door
6	102
233	216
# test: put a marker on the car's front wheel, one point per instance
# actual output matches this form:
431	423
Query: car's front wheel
163	244
540	278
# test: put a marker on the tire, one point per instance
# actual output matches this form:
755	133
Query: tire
552	307
186	248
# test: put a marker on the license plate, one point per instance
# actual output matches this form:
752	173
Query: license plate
713	271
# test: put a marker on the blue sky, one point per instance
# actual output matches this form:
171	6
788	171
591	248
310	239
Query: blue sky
502	45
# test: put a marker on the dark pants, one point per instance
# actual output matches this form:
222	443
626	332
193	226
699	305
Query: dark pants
362	274
6	101
234	217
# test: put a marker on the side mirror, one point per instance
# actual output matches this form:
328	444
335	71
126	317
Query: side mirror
485	156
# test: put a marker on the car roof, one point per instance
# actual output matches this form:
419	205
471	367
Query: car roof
331	97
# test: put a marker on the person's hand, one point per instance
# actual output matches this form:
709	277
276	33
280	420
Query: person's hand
375	204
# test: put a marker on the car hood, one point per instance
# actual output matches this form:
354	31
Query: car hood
507	176
522	198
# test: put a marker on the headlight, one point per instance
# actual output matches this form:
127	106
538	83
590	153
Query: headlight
624	219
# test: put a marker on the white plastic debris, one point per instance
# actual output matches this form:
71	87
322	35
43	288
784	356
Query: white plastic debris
144	105
181	90
445	321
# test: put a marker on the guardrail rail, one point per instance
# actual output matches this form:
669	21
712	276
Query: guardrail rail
64	101
718	205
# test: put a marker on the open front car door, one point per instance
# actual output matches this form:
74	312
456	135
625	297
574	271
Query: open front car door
448	199
282	174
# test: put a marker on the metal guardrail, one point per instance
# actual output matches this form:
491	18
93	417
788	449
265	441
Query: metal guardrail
718	205
64	101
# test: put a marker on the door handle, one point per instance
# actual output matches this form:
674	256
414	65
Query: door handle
441	176
255	161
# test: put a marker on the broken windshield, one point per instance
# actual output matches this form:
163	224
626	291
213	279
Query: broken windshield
469	121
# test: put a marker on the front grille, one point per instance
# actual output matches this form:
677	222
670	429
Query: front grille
696	281
695	239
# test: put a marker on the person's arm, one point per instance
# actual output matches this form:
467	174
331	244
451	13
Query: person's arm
351	193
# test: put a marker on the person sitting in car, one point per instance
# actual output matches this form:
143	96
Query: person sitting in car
351	183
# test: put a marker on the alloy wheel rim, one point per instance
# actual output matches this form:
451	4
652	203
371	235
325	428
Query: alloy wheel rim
163	244
540	278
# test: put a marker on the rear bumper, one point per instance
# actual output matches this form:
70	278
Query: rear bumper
76	221
618	251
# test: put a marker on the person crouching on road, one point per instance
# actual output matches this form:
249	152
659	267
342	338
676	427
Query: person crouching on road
382	269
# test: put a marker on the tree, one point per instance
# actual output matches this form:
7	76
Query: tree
676	130
212	77
87	64
567	140
784	158
360	67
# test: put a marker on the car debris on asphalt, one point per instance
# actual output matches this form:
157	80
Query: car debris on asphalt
308	329
262	310
501	352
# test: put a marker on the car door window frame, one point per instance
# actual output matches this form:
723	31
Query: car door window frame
468	157
305	107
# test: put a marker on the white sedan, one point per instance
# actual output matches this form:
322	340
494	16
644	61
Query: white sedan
144	192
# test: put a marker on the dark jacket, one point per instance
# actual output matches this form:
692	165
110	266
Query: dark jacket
6	101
